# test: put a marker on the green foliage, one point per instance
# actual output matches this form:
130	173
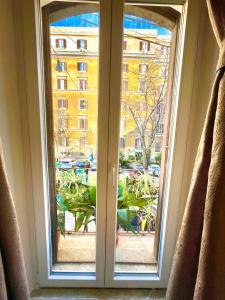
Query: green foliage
76	197
136	198
123	161
61	220
158	159
139	198
138	156
131	158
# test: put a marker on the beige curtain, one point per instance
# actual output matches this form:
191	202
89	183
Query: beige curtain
13	283
198	270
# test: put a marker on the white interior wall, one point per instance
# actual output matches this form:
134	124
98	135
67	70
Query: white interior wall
14	130
206	61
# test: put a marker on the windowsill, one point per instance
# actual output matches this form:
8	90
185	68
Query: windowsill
135	294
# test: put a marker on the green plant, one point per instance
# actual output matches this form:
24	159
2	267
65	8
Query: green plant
138	156
76	197
122	160
131	157
136	198
158	159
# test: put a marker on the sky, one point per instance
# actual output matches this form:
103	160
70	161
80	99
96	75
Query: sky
92	20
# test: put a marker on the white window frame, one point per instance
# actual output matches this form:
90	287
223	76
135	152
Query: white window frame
122	124
63	101
84	139
125	67
171	195
137	143
82	62
144	45
85	118
124	105
122	143
159	129
125	43
125	84
182	95
82	48
64	122
63	65
79	103
61	80
79	84
140	82
158	146
62	44
140	68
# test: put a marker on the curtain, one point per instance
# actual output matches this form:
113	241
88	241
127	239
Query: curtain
198	270
13	282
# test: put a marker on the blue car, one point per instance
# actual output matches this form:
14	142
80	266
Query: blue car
154	170
82	164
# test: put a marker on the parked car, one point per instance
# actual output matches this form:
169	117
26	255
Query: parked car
82	164
93	165
154	170
135	166
63	165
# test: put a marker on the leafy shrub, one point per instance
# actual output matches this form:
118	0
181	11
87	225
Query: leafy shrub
158	159
137	201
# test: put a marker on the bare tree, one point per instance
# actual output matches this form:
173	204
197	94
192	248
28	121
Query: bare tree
145	106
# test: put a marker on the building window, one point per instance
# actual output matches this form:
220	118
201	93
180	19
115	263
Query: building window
62	103
157	147
62	122
122	124
165	50
83	142
61	83
124	45
164	72
122	143
162	110
82	66
143	68
60	43
62	66
124	106
82	44
82	84
73	171
63	141
138	144
140	106
124	85
82	122
144	46
160	129
125	68
82	103
142	86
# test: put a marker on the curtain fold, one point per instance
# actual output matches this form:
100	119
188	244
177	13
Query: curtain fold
13	282
198	270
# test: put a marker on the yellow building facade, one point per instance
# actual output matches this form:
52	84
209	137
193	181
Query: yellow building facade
75	85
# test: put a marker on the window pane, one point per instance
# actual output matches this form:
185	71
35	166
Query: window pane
74	49
143	101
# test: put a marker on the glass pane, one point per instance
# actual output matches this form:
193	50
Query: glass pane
146	55
74	39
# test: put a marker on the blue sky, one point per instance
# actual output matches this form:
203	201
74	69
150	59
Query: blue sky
92	20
